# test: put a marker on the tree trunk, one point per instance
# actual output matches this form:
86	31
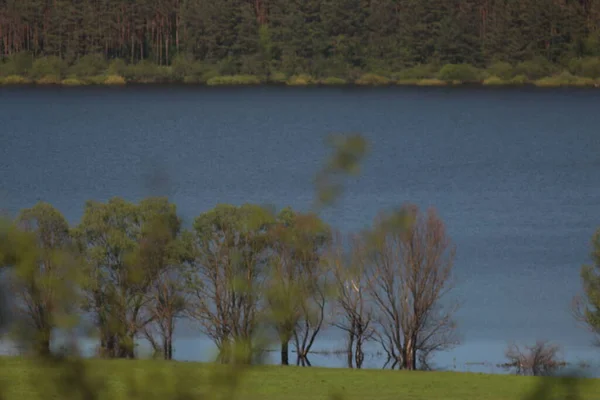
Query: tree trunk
285	353
350	349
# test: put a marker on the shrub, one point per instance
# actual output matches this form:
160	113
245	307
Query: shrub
49	80
277	77
332	80
502	70
300	80
459	72
94	80
182	66
431	82
233	80
564	79
541	359
519	80
15	80
17	64
147	72
372	79
494	81
114	80
534	69
48	67
582	81
589	68
72	82
117	67
89	65
185	68
418	72
407	82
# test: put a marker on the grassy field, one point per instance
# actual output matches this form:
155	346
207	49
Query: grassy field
22	379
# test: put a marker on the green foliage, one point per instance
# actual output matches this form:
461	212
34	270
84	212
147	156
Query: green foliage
233	80
51	67
519	80
586	67
331	80
300	80
563	79
588	307
17	64
459	72
14	80
494	81
348	154
147	72
48	80
372	79
89	65
112	80
117	67
417	72
72	82
278	77
502	70
533	69
431	82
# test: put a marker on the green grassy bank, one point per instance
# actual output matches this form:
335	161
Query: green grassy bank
94	70
22	379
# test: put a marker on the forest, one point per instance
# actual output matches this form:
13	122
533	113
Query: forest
326	41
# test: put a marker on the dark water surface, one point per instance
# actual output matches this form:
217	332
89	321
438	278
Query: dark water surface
514	173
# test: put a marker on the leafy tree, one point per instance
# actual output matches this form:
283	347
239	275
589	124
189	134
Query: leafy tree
226	279
587	307
44	278
126	247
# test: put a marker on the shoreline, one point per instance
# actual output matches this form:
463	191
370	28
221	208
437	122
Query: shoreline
252	81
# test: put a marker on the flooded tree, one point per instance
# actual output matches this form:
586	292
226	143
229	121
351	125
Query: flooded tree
409	273
227	277
540	359
44	279
124	257
354	313
586	308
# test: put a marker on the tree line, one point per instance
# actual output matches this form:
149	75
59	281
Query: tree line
335	38
241	273
244	274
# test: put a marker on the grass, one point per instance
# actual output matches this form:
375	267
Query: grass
26	381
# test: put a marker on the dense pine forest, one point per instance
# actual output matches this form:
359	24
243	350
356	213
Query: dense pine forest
277	39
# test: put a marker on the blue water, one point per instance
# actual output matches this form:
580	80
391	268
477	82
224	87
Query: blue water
515	174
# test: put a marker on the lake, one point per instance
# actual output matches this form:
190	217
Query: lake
514	173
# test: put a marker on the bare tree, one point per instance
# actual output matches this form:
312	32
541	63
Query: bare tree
311	237
409	273
541	359
354	313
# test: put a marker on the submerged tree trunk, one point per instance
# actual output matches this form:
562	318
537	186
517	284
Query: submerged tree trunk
285	353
